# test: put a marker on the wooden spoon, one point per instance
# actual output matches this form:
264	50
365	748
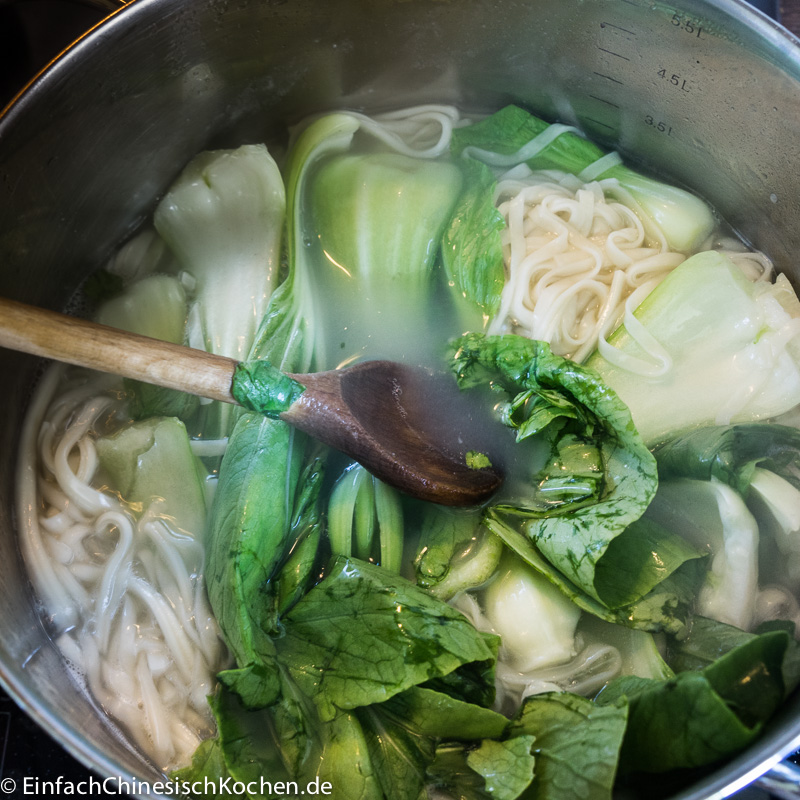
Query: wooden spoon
370	411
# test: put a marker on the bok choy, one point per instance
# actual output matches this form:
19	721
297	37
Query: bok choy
706	347
222	218
582	509
513	136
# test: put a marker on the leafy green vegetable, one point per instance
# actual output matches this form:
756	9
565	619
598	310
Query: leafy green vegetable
663	608
404	637
492	770
446	530
356	706
513	136
731	453
399	753
455	552
257	492
506	767
705	347
699	717
713	517
249	536
599	477
207	768
301	564
761	465
147	401
246	741
251	523
710	640
471	247
576	745
433	713
706	641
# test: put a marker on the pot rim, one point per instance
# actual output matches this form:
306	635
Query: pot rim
736	774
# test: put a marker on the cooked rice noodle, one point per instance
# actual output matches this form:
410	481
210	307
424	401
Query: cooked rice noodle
122	588
573	258
585	673
419	131
580	257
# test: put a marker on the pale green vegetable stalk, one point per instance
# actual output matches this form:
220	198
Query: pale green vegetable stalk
365	519
780	500
706	347
638	651
378	219
363	206
154	306
534	619
287	335
456	552
761	463
152	461
713	517
142	255
223	219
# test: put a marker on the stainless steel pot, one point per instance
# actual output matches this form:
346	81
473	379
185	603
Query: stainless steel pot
704	91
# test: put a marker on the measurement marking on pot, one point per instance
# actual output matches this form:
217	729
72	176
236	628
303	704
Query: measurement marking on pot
609	78
658	125
617	27
688	25
612	53
603	100
677	81
601	124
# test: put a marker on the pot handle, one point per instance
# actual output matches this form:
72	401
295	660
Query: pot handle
782	781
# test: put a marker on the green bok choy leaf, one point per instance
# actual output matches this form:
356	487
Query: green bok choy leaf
582	509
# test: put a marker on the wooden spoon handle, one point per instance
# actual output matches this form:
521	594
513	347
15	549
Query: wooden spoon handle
87	344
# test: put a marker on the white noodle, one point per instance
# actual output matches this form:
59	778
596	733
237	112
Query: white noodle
585	674
420	131
580	255
573	258
123	590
